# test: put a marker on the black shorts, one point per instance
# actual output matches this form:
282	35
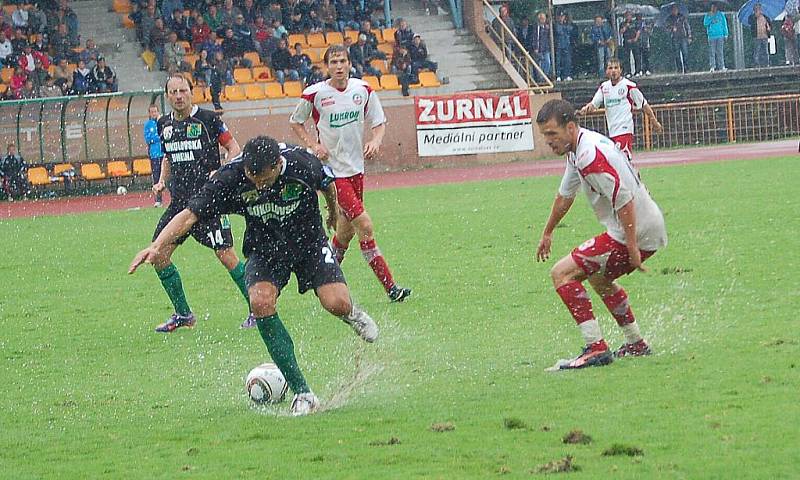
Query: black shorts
313	267
215	234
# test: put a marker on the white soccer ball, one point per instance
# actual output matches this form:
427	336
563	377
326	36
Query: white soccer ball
265	384
122	190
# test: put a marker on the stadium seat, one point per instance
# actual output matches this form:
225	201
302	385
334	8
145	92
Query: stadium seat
373	82
92	171
388	35
243	75
293	89
428	79
386	48
352	34
253	57
234	93
3	88
261	73
297	38
191	59
316	40
122	6
118	169
127	22
142	167
333	38
186	46
274	90
379	65
37	176
199	95
149	59
315	54
5	75
60	168
255	91
378	34
389	82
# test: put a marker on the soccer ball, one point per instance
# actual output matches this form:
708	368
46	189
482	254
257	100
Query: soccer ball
122	190
265	384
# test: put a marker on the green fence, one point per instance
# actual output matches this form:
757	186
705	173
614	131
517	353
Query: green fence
78	129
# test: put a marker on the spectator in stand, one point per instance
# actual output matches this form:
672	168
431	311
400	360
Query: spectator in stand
761	29
418	52
211	45
681	36
347	16
60	44
366	30
19	42
154	151
158	37
601	35
234	51
71	18
174	55
646	29
202	69
261	34
273	13
17	82
243	34
90	54
327	15
315	76
200	32
49	89
12	169
541	43
220	74
300	61
29	56
250	12
28	91
37	20
797	35
566	34
313	24
282	63
402	67
20	18
403	36
169	6
229	13
214	19
81	79
103	78
631	36
361	54
63	76
181	25
294	22
717	31
6	51
147	25
269	47
38	76
524	34
789	41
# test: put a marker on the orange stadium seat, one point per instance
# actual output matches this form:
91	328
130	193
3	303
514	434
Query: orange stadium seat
142	167
428	79
352	34
191	59
122	6
118	168
5	74
293	89
261	73
378	34
373	82
234	93
243	75
3	88
316	40
315	54
92	171
389	82
199	95
273	90
255	91
60	168
127	22
38	176
253	57
386	48
333	38
379	65
297	38
186	46
388	35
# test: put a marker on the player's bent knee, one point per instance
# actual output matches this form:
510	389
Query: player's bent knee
336	300
565	271
263	297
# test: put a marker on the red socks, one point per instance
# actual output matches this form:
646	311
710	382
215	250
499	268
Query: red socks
618	306
338	249
373	256
577	300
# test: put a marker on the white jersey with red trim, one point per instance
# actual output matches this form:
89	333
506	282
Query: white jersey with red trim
610	183
340	116
619	101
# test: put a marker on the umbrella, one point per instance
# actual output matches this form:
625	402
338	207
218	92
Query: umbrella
792	7
666	11
635	8
770	8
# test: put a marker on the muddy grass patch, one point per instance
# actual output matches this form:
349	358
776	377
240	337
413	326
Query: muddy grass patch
564	465
443	427
513	423
577	437
619	449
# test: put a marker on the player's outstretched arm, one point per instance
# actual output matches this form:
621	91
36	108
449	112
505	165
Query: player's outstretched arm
178	226
561	206
652	115
627	217
588	108
232	149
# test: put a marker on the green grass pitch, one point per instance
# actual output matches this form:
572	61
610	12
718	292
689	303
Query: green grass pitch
90	391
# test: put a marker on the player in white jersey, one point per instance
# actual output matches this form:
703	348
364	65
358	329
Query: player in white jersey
619	96
340	106
635	230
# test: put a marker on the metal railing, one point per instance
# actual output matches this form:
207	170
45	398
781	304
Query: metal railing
78	129
512	51
713	122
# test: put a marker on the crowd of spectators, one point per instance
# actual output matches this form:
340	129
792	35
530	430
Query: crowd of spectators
40	47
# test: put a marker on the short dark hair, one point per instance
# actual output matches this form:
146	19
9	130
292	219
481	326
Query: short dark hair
337	48
560	110
177	75
260	153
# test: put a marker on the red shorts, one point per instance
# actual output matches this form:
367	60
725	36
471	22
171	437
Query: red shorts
625	143
602	254
350	195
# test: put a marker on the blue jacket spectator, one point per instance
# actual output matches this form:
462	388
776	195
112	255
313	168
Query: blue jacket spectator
716	25
600	34
168	7
152	139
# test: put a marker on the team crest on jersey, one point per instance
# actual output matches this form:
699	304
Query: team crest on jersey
194	130
358	99
621	90
250	196
167	132
291	191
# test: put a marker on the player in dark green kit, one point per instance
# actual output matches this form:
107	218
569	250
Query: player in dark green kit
190	139
275	188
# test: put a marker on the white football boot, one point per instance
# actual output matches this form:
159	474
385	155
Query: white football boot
304	404
362	323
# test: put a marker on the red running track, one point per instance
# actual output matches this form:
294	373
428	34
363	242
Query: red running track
100	203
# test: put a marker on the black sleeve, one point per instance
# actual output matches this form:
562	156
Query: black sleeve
322	175
217	197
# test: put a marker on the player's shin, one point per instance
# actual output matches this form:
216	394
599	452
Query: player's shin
339	248
171	281
619	307
577	300
237	274
372	254
281	349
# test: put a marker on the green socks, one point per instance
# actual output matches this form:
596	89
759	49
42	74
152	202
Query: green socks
281	348
237	274
171	281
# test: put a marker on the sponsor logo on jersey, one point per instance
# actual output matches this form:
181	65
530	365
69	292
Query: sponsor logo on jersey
613	102
182	145
167	132
291	191
340	119
194	130
270	211
250	196
328	101
358	99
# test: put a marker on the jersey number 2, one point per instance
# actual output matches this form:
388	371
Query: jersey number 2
216	237
328	255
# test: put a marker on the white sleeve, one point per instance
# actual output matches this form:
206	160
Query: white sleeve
597	100
603	179
374	115
638	98
301	112
570	182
